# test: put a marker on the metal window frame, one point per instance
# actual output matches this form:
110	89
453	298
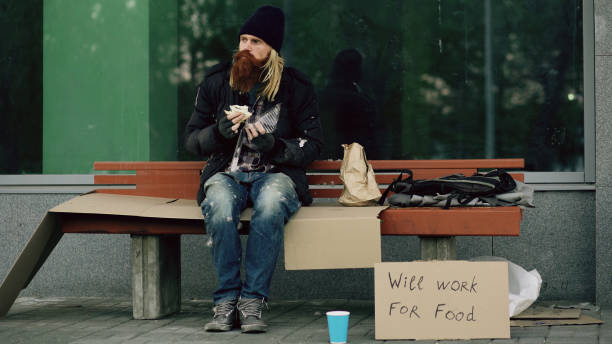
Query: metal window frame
588	62
80	183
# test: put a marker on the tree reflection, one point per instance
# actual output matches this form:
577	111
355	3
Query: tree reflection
422	69
423	62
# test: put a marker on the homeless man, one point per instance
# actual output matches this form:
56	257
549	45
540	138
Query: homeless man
258	122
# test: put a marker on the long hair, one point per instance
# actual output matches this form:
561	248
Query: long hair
273	69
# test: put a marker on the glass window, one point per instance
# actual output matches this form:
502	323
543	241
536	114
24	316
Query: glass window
425	79
408	79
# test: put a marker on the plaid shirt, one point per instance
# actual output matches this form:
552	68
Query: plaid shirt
246	159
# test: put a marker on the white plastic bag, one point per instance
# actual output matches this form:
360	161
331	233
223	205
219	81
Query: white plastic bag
523	286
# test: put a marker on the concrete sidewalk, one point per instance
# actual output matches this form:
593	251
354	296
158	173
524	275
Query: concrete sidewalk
109	320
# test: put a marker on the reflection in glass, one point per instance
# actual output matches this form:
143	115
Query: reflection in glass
429	73
348	113
426	72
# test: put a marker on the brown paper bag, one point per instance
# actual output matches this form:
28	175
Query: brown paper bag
360	187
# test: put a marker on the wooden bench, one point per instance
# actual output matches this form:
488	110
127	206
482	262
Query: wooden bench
156	242
181	179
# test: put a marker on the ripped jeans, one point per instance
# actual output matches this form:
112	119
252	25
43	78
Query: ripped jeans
274	201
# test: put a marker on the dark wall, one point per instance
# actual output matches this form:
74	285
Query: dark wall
21	86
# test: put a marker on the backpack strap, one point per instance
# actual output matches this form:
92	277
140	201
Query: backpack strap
449	200
392	186
461	197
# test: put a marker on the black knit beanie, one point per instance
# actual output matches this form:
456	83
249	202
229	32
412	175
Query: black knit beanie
267	23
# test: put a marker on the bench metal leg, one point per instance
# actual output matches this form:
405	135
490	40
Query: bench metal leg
156	275
438	248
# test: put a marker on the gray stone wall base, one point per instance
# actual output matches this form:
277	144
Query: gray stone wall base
603	153
156	276
438	248
604	246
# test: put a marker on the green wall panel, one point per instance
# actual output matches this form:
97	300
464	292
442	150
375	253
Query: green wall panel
97	88
163	82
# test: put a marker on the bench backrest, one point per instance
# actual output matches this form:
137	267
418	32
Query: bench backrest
180	179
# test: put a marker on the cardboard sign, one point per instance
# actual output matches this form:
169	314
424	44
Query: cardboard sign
441	300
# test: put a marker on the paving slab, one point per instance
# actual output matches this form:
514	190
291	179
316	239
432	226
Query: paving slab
109	320
574	331
532	340
530	332
581	340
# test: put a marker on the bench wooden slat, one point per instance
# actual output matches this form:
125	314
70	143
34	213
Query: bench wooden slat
146	177
115	179
325	179
430	221
334	179
427	164
446	164
147	165
162	177
325	193
518	176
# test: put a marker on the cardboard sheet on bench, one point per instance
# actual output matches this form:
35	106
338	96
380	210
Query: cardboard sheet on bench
317	237
322	236
112	204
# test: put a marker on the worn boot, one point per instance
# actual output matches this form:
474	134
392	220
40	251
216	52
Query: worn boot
224	317
249	312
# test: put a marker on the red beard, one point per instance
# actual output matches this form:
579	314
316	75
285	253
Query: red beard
246	71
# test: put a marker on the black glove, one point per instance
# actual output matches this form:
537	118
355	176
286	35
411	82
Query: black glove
262	143
225	128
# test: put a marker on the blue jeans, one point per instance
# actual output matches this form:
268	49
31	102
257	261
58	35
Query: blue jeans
274	201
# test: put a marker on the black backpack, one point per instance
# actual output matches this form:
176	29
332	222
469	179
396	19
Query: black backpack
463	189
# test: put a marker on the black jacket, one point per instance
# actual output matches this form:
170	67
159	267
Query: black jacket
298	133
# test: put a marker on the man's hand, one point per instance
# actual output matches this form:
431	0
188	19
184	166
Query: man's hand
229	124
259	140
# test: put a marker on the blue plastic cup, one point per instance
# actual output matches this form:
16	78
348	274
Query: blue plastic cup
337	322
